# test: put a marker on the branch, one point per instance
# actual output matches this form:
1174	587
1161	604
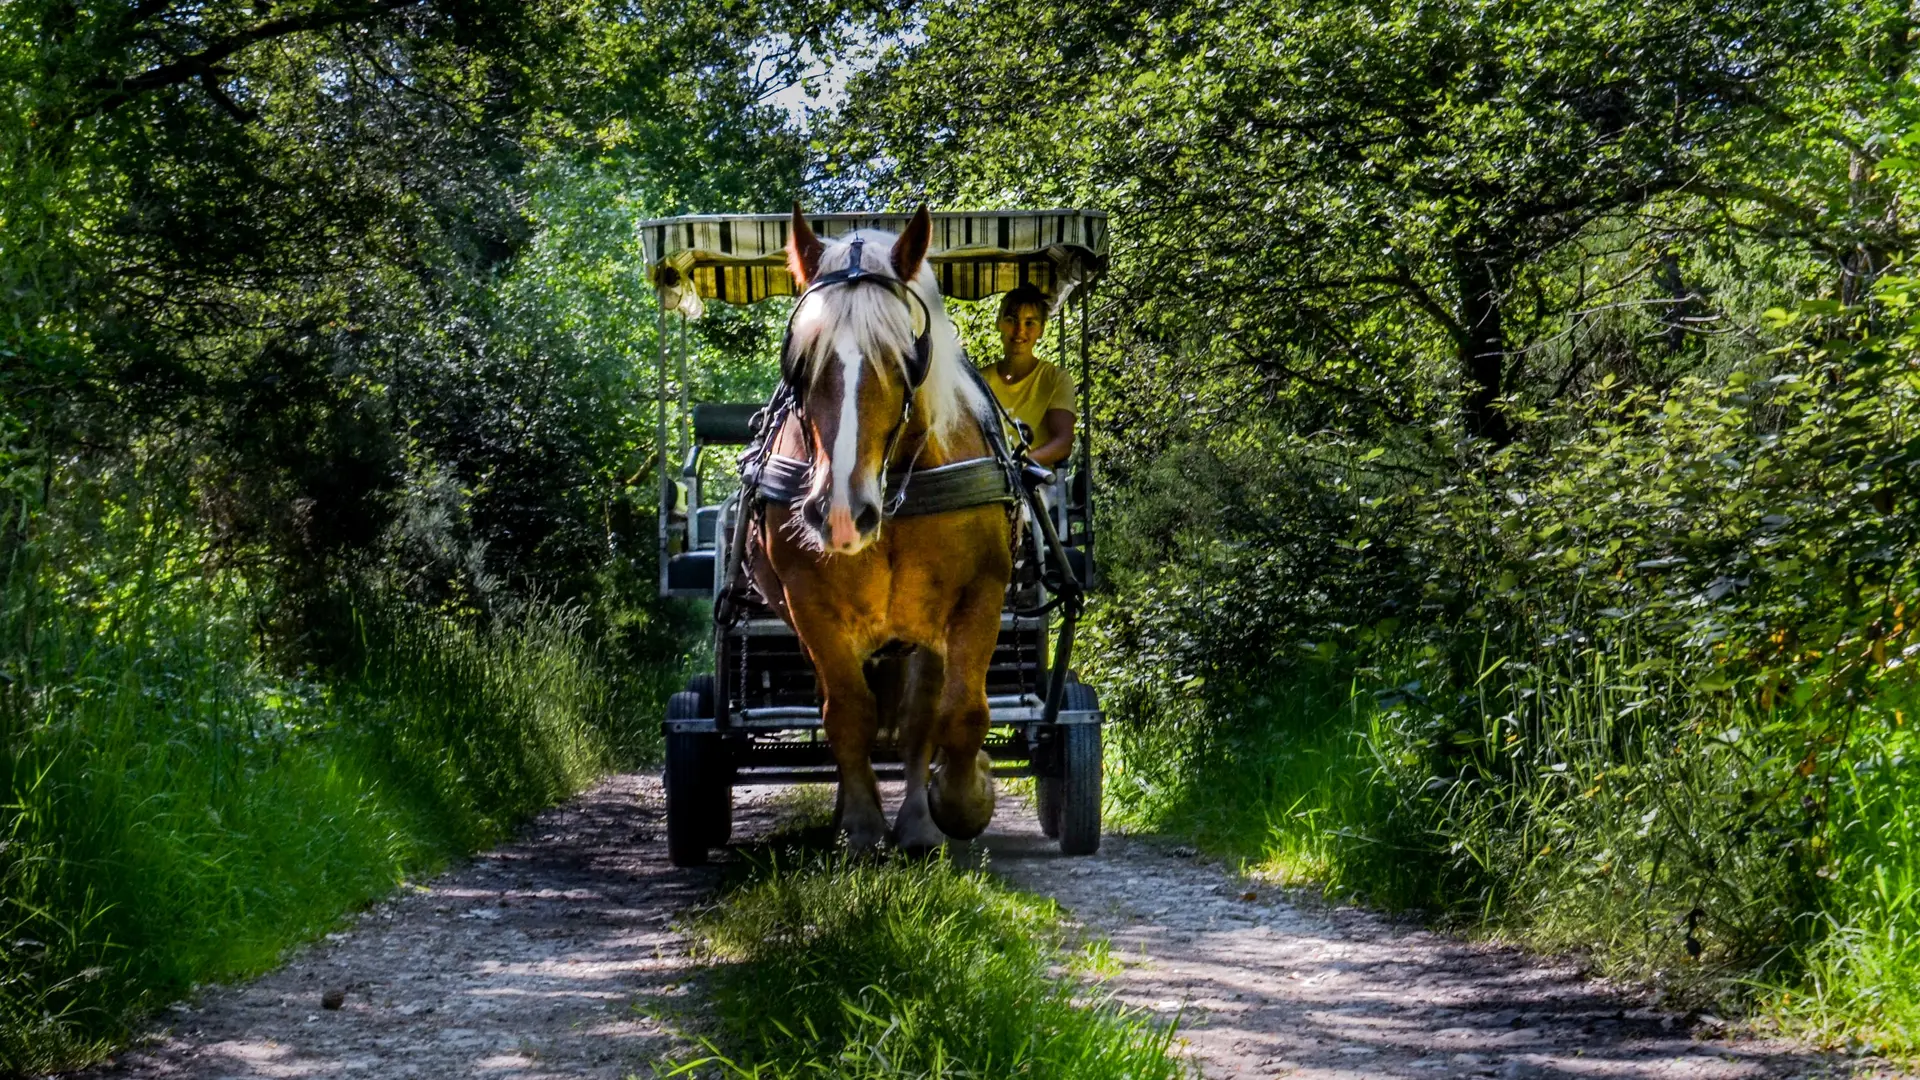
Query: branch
1418	293
210	81
120	91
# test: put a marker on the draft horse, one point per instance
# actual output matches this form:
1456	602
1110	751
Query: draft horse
899	614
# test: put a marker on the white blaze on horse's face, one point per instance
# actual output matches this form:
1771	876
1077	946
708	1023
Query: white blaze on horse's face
854	480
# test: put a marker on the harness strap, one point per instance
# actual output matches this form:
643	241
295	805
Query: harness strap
784	480
958	486
963	484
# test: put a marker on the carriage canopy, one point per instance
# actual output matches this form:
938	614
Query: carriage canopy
741	258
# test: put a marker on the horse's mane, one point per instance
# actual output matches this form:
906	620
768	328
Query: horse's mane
880	325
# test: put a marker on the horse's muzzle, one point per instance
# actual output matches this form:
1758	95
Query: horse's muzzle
841	530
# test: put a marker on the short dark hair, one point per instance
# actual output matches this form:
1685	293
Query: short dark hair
1027	295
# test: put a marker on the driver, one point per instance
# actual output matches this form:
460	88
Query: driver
1033	391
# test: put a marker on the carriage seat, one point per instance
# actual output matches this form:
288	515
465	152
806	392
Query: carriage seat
692	570
706	522
725	423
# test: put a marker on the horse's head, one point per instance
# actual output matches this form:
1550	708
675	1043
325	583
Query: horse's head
857	350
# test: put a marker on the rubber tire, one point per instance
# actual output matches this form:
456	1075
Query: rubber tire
701	686
699	787
1046	804
1069	804
720	812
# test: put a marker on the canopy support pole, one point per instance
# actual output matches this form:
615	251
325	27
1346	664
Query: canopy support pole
1086	424
684	431
663	492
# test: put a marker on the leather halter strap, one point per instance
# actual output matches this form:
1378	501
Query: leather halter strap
955	486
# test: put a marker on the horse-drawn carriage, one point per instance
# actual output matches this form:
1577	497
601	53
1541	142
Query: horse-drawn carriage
757	717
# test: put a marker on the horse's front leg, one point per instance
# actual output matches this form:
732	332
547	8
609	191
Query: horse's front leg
850	715
914	829
960	792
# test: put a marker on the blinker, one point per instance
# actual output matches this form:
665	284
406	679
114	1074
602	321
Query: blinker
854	273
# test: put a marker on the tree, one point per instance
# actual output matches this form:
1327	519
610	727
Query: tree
282	240
1332	197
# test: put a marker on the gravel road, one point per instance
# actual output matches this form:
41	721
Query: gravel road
528	964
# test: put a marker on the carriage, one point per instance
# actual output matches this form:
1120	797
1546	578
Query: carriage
756	718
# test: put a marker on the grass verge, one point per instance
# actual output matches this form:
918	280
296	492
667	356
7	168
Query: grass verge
831	968
178	813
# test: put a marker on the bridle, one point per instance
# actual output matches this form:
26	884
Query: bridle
913	366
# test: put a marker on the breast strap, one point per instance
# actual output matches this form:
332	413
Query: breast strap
963	484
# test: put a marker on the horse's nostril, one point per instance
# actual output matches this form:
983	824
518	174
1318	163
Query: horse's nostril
814	513
868	520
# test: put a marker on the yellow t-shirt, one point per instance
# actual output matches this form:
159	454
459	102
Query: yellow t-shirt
1045	387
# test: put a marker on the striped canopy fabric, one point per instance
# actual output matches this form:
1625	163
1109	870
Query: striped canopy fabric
741	258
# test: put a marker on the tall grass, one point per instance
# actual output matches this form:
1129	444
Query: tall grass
177	811
1282	775
1862	984
874	971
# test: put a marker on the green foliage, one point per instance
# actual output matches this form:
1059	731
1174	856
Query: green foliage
325	512
369	268
1506	417
1636	685
856	969
1364	216
1859	987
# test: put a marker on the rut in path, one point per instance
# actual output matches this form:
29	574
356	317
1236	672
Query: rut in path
527	964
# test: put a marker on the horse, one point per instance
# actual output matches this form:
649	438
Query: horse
899	615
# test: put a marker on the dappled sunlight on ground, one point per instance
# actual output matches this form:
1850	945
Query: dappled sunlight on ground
546	958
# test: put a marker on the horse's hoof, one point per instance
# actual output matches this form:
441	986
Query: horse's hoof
922	837
964	812
859	823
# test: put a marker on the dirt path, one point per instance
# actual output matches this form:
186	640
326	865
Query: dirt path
527	964
1267	988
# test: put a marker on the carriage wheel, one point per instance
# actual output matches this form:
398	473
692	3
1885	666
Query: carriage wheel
1075	801
699	785
720	813
1047	789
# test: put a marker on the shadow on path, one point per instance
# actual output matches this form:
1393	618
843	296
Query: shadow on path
528	963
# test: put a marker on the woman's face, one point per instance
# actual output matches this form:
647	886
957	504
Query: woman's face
1020	330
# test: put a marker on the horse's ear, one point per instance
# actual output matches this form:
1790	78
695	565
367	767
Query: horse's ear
911	249
803	249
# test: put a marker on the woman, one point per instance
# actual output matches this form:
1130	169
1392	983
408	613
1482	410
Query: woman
1033	391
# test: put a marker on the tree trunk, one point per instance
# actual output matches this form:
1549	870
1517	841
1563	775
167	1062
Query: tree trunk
1673	316
1483	345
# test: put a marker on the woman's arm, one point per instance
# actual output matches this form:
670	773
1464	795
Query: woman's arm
1057	439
